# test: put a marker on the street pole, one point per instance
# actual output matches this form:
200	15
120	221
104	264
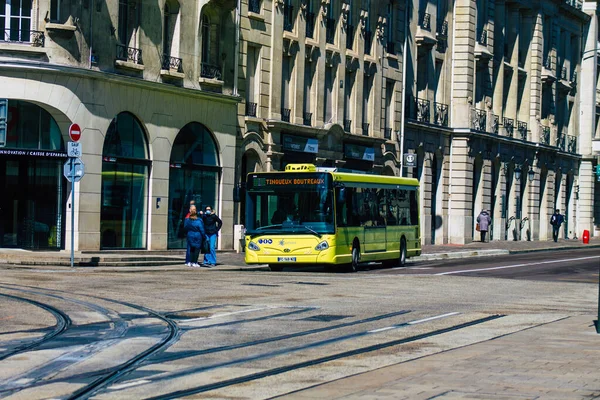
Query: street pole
72	160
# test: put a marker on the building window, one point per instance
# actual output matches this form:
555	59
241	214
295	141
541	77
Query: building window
15	20
286	75
367	83
308	79
253	81
128	23
328	101
60	11
125	168
171	29
193	175
389	105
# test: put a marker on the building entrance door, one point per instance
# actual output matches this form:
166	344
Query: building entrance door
32	203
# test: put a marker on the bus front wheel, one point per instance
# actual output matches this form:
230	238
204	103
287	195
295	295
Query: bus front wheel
275	267
402	260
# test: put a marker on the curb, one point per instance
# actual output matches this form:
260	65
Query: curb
458	254
587	246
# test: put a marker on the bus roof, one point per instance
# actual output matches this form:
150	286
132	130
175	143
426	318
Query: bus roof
346	177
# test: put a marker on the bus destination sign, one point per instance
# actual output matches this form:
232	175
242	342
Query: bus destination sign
289	181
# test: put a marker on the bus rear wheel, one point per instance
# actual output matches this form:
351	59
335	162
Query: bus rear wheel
402	259
275	267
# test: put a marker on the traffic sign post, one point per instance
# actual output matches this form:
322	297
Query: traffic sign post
73	170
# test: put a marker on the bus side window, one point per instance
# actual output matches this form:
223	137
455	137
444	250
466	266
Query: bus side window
414	207
341	209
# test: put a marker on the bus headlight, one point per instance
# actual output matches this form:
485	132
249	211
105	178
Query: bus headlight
322	246
253	246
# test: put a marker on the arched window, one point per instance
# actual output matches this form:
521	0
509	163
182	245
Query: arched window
123	218
194	175
31	182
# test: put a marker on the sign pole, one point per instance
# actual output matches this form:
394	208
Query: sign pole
72	210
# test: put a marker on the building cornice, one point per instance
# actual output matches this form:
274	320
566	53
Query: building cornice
116	78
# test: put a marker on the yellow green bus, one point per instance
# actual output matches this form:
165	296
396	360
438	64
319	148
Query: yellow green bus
319	216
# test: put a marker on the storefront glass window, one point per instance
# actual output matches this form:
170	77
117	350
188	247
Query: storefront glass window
194	175
33	187
124	185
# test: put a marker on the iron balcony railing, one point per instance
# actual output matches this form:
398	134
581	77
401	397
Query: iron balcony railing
483	38
285	114
545	135
574	3
387	133
210	71
250	109
129	54
307	118
368	37
572	144
440	116
442	29
509	126
254	6
425	21
478	120
548	62
423	110
365	128
347	125
288	14
522	129
495	124
35	38
171	63
561	140
310	24
349	37
330	30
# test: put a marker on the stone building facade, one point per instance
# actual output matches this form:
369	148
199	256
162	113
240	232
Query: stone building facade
153	87
178	101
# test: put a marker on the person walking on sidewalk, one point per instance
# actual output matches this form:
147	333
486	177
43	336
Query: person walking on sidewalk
187	250
556	221
484	220
195	235
212	225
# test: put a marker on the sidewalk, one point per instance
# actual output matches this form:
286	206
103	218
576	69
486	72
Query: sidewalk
235	261
559	360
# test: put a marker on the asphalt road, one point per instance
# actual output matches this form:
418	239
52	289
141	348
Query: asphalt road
182	332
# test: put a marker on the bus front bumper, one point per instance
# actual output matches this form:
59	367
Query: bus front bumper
323	257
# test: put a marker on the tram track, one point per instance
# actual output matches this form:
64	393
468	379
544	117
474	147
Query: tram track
63	322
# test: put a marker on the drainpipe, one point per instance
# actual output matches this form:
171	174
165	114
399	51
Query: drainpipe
237	47
403	116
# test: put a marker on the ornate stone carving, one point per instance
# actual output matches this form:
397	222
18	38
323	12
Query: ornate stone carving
381	24
304	7
345	13
364	15
324	7
279	3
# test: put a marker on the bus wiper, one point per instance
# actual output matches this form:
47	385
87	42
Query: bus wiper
269	227
311	231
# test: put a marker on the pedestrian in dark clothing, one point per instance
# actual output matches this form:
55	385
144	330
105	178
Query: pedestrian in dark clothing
556	221
187	250
484	220
195	235
212	225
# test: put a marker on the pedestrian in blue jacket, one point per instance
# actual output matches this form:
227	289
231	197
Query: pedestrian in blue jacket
556	221
195	235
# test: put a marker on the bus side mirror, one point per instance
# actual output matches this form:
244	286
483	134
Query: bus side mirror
341	199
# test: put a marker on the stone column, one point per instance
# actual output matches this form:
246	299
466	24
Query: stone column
460	219
463	74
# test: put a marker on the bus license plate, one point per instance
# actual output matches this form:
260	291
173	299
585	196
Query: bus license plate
286	259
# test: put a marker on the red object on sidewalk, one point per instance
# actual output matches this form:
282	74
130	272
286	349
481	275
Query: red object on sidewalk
586	237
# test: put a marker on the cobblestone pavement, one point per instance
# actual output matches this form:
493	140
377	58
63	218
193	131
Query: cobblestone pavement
559	360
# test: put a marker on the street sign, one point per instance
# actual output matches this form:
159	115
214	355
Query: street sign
410	160
74	150
598	169
74	132
74	169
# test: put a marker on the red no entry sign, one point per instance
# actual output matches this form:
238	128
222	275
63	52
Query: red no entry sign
74	132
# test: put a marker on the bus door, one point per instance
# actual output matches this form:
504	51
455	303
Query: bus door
373	221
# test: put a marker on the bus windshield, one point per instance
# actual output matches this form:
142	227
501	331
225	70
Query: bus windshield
290	204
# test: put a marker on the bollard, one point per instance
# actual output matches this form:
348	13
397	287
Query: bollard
586	237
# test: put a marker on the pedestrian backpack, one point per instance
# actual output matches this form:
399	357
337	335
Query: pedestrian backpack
553	220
